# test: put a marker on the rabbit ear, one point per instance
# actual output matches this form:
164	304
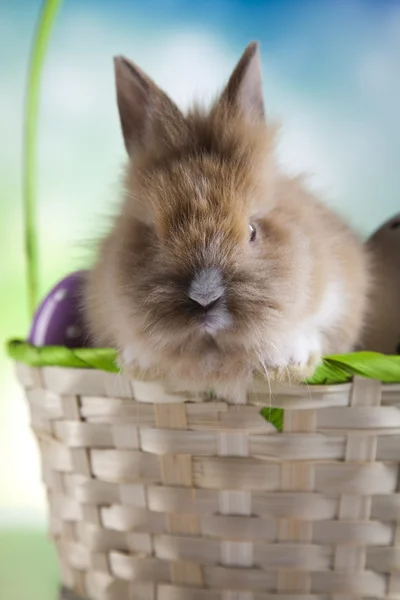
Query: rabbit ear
244	88
144	110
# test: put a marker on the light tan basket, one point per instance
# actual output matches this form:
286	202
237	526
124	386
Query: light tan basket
155	495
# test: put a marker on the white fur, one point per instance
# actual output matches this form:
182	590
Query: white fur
217	320
306	341
331	308
132	356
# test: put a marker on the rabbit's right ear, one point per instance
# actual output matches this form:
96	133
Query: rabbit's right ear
145	111
244	89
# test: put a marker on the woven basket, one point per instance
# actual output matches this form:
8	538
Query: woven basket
156	494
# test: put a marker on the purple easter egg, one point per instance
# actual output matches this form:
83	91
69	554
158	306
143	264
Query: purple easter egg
59	319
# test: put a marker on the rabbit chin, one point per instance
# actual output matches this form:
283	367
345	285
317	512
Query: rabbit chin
214	322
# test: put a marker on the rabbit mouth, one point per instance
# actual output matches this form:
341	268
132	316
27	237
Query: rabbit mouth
215	319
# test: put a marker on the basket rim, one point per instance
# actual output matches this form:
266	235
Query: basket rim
335	369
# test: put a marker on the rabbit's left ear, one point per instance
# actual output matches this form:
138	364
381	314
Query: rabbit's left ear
146	113
244	89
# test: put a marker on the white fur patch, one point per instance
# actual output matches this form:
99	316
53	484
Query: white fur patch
331	307
131	357
305	345
305	342
128	355
217	320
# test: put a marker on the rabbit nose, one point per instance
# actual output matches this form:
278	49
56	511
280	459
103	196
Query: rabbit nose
207	287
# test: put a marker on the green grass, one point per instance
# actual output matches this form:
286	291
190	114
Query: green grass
334	369
28	566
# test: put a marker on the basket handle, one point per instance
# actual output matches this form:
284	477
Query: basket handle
41	38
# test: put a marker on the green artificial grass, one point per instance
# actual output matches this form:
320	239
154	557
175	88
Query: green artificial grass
274	416
334	369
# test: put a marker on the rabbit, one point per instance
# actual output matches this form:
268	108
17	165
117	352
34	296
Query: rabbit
219	266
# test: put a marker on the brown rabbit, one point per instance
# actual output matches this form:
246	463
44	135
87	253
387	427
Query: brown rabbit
217	264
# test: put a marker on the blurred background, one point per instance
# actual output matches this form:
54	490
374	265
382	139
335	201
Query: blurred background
331	74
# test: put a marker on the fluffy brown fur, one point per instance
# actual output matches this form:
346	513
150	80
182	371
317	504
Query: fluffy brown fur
193	184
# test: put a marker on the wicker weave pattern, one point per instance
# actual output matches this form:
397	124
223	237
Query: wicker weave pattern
158	495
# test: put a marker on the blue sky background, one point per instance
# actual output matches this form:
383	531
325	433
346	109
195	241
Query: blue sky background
331	74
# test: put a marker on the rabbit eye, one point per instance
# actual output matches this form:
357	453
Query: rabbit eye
253	232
